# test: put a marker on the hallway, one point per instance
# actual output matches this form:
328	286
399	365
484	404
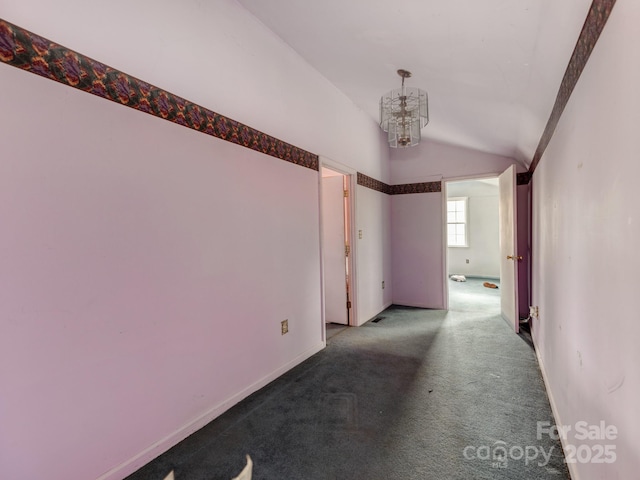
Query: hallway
418	394
161	204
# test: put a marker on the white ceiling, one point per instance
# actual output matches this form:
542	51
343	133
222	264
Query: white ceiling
492	68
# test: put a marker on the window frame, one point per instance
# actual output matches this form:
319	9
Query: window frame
465	222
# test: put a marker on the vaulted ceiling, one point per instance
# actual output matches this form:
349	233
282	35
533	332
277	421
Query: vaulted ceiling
492	68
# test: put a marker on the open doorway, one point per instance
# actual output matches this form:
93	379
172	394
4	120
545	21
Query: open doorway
473	245
336	250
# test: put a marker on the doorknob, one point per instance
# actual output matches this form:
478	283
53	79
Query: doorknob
511	257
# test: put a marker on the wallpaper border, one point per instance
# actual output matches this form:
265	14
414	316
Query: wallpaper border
423	187
373	184
30	52
402	189
594	24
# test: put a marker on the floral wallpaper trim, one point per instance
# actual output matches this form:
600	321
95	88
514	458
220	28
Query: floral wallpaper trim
424	187
593	26
372	183
30	52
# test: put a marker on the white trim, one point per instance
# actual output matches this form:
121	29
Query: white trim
573	472
351	175
472	177
129	466
323	328
353	264
337	166
445	249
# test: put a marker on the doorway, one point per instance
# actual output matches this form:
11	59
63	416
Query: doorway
472	232
336	217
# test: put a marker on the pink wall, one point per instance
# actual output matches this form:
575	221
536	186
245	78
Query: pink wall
417	250
586	232
146	269
215	54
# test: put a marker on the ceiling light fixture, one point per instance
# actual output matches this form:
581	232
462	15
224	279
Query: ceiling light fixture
403	113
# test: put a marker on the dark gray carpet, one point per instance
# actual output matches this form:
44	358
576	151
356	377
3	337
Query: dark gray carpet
403	398
334	329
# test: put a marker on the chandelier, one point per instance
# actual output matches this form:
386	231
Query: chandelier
403	113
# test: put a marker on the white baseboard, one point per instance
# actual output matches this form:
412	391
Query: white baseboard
129	466
554	410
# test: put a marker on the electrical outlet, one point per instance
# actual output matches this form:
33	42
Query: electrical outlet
467	260
360	234
284	326
383	284
533	312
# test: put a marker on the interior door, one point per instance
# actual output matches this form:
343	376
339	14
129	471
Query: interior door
333	248
508	255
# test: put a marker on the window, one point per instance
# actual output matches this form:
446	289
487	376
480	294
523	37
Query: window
457	222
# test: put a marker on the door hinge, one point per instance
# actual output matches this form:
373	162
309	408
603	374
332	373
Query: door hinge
349	304
346	193
347	250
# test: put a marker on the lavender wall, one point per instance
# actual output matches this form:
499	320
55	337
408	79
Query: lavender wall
417	250
434	161
215	54
586	230
143	281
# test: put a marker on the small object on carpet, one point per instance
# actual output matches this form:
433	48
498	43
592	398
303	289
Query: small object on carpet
490	285
246	472
458	278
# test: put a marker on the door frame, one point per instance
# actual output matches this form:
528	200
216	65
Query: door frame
445	248
350	222
506	253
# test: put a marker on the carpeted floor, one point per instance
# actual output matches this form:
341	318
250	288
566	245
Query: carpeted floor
420	394
472	296
334	329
